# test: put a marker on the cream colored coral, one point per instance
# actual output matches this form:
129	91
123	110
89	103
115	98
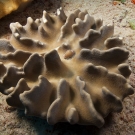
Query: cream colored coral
65	68
8	6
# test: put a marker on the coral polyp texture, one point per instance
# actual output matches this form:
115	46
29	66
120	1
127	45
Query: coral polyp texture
65	69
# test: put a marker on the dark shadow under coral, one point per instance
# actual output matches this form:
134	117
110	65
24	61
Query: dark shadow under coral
41	127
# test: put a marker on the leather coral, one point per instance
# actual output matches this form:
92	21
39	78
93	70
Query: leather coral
64	68
9	6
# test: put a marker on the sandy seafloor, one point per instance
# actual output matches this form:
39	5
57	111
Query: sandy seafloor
14	122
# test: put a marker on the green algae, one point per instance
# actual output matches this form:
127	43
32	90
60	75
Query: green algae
132	24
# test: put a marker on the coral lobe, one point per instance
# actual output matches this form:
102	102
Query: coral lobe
65	68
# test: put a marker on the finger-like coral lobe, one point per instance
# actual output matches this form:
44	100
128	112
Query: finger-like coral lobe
65	68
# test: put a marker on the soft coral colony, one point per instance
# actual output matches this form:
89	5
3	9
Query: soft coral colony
64	68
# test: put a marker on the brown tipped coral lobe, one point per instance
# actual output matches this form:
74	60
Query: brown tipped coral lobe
65	68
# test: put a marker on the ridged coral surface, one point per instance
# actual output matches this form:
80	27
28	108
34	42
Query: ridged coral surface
64	68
